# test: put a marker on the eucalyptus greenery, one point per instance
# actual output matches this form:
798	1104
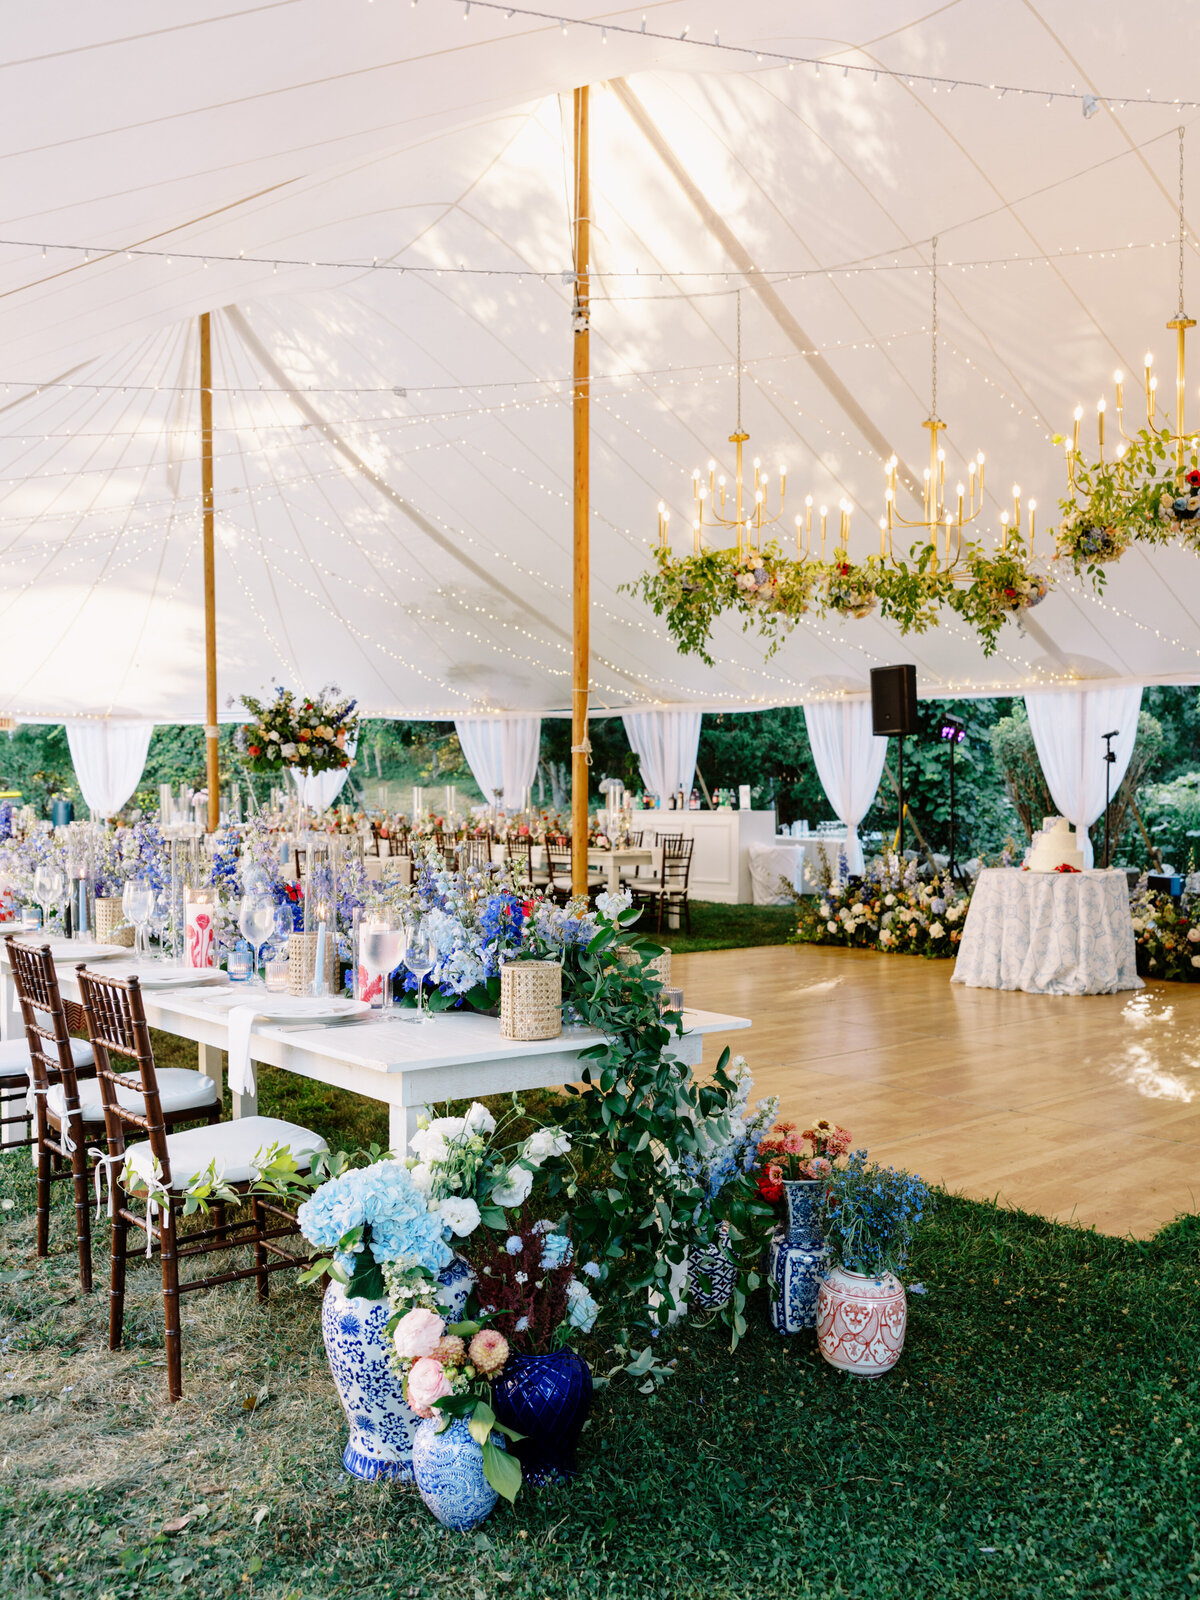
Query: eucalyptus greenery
772	591
646	1112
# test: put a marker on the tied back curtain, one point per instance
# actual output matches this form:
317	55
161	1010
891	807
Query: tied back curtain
502	753
1067	726
109	756
849	761
665	743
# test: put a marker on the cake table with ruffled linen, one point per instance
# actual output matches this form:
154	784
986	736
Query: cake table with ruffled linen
1048	933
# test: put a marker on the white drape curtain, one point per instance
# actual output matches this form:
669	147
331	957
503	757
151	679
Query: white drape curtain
1067	726
109	756
319	790
665	743
849	760
502	753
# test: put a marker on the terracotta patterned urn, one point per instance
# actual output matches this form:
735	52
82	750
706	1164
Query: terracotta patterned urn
861	1321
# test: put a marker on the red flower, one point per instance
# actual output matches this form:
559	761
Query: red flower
254	749
1193	478
304	734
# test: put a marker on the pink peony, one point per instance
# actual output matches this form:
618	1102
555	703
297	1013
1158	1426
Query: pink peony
488	1351
427	1382
417	1333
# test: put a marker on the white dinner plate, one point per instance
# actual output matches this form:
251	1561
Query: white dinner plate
287	1007
75	950
165	975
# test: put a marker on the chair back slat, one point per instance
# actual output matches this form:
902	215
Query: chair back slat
116	1022
47	1026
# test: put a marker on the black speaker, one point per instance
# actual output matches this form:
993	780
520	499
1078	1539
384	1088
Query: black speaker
894	699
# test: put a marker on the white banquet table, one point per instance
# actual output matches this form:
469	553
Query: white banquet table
1048	933
402	1064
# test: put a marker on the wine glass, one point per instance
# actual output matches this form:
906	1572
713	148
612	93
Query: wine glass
256	919
381	945
49	884
419	959
285	926
137	902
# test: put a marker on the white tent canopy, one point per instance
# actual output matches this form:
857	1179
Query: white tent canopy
393	450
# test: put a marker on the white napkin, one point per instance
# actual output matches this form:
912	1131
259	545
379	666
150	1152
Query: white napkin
241	1069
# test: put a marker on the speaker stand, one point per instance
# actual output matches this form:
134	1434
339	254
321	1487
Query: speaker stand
900	765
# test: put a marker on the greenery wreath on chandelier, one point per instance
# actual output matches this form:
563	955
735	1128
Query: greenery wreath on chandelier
772	591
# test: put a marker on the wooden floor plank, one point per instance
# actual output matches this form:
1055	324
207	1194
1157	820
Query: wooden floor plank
1075	1107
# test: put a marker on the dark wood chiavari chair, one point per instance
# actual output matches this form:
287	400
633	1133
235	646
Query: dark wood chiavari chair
474	853
668	889
68	1105
163	1164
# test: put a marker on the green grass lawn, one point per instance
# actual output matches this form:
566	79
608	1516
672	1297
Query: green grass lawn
1039	1438
721	927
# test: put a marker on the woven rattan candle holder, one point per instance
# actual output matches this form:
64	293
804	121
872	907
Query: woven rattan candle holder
110	914
302	961
658	967
530	1000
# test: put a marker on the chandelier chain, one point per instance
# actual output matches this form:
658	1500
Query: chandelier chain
739	361
933	403
1181	221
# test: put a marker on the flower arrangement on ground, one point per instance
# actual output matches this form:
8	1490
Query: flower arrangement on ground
789	1154
308	734
1166	934
447	1378
890	908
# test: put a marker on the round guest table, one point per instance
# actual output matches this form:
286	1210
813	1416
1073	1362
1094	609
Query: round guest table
1048	933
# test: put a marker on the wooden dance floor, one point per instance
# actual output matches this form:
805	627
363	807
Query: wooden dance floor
1078	1108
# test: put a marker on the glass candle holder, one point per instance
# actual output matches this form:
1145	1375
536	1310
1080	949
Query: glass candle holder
670	1000
240	965
277	974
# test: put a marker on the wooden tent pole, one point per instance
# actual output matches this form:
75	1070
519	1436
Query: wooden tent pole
210	577
580	662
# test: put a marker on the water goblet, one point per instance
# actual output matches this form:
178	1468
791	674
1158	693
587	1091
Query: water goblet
137	902
381	943
419	959
49	883
256	919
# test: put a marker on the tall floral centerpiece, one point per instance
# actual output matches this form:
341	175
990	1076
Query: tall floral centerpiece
303	735
794	1166
870	1215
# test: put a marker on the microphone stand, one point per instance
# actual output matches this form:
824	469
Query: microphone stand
1109	758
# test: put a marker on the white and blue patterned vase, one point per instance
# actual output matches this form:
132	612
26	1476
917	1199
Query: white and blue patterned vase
799	1259
711	1274
382	1426
449	1473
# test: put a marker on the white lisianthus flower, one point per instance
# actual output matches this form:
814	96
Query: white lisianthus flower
461	1215
832	927
1194	935
514	1187
544	1143
450	1128
287	751
1196	961
479	1119
889	899
1138	925
428	1145
422	1176
936	931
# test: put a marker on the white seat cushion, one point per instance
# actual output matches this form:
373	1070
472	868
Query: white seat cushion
179	1089
14	1055
233	1146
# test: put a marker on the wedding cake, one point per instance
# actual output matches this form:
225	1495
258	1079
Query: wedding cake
1054	848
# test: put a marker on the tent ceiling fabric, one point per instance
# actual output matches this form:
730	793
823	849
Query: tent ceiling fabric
414	546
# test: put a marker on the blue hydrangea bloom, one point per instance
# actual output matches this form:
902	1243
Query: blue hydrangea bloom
384	1198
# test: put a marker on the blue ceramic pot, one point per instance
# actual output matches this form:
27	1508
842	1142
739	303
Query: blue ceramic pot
449	1473
547	1398
370	1389
711	1274
799	1259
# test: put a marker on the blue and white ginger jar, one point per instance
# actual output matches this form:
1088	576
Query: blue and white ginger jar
799	1259
711	1274
371	1390
449	1471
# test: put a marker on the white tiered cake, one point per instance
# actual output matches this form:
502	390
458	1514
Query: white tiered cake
1054	847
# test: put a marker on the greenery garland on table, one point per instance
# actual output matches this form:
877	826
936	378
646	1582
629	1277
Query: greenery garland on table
773	591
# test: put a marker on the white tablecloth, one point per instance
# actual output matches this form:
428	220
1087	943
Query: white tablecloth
787	859
1048	933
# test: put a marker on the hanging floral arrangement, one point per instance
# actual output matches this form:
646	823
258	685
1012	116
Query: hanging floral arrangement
311	734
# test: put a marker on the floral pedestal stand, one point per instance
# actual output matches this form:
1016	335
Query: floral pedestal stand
798	1260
